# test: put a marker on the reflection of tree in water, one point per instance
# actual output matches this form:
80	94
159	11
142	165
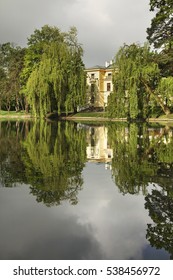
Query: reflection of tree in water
54	160
131	168
11	166
143	155
160	206
160	202
48	156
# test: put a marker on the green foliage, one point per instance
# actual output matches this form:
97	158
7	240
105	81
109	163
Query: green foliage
48	156
11	64
53	77
11	165
75	75
165	60
131	169
165	89
141	155
160	32
136	73
143	84
53	167
138	85
160	232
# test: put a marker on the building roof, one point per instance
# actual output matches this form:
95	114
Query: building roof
99	67
110	66
96	67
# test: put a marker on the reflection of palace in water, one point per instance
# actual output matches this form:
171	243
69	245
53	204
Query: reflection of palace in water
98	149
163	134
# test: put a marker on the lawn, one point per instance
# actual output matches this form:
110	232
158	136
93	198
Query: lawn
91	114
170	116
14	114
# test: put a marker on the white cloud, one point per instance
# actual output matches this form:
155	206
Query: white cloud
119	222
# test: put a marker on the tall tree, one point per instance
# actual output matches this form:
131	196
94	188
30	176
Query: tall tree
76	78
137	84
36	45
11	64
160	33
53	76
46	83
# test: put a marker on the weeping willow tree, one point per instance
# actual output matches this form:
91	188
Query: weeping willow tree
131	169
165	90
53	75
53	168
46	84
75	74
138	84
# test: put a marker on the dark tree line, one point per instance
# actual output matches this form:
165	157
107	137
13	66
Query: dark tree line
48	75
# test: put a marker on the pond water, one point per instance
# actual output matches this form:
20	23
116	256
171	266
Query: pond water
86	191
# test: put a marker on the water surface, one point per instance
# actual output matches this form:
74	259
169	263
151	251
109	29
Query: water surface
75	191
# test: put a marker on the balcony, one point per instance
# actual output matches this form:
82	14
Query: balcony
108	78
93	80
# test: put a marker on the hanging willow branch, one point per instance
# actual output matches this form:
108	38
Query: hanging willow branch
137	83
157	98
56	78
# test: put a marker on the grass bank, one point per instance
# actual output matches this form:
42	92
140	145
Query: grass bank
162	119
14	115
103	116
89	116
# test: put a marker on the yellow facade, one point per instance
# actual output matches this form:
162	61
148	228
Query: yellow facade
99	85
98	148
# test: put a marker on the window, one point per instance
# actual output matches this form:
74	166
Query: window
92	76
108	86
92	88
92	99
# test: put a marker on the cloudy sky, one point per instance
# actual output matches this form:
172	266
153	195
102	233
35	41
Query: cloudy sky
103	225
103	25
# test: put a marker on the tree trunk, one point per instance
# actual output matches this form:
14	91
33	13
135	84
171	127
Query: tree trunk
26	107
158	99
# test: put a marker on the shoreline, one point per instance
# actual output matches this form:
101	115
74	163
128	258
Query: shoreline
114	119
93	118
80	118
10	116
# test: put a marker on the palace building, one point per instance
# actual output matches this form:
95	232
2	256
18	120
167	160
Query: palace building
99	84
